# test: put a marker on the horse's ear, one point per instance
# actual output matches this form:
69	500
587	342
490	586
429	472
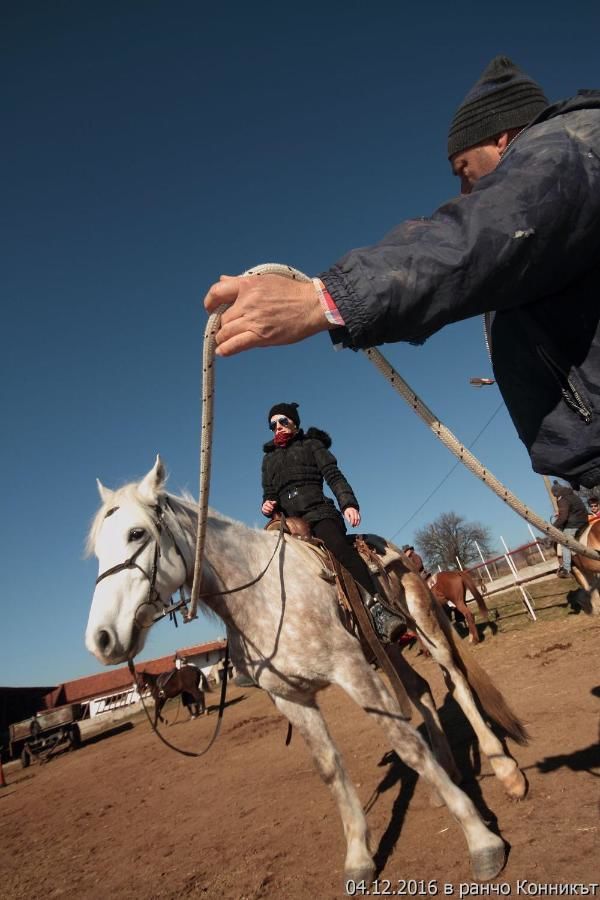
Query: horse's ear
105	493
151	485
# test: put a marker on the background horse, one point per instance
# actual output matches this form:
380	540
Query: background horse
587	572
188	681
285	632
453	586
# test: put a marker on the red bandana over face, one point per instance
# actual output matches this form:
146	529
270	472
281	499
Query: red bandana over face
282	438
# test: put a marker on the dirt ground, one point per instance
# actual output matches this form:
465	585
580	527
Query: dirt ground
125	817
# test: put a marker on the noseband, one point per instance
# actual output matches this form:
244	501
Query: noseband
131	563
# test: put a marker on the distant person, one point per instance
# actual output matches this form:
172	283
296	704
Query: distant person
295	465
521	244
594	509
416	560
570	518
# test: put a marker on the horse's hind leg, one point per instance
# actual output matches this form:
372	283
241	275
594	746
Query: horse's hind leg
486	849
591	603
423	612
463	608
420	694
306	716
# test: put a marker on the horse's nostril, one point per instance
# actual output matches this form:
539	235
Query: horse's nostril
104	640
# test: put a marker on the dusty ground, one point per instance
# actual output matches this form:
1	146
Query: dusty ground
125	817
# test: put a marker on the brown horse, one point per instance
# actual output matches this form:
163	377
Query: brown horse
453	586
188	681
587	572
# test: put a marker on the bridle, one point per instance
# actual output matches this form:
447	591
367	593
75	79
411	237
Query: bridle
153	596
131	563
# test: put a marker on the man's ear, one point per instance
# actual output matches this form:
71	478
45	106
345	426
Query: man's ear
502	141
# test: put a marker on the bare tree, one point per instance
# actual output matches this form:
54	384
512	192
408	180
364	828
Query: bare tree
450	536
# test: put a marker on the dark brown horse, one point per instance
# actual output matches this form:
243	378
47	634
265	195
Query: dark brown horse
453	586
188	681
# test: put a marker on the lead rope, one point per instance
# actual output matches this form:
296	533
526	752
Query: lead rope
406	392
208	393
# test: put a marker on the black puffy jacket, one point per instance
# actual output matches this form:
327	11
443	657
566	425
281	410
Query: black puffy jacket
524	245
293	476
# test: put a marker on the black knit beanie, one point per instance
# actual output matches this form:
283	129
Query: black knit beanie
503	98
285	409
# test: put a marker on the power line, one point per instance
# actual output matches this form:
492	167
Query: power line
448	474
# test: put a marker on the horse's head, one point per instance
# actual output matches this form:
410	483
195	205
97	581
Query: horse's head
140	567
144	680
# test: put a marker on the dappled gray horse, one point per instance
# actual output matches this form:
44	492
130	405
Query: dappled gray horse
285	633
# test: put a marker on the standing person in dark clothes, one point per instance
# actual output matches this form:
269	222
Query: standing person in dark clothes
571	516
294	467
416	560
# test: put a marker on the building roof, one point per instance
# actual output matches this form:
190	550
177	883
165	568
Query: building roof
114	680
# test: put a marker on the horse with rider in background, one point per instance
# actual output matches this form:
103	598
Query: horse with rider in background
189	682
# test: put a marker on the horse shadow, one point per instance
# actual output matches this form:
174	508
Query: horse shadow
214	707
583	760
465	749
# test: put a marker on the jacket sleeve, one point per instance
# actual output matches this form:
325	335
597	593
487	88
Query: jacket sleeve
268	487
328	467
526	230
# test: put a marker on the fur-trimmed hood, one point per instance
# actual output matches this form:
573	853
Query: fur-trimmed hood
303	435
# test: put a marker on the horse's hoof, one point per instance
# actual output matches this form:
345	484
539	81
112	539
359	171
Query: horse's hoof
489	861
515	785
363	874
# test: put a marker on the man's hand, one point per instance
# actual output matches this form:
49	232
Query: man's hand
265	311
352	516
268	507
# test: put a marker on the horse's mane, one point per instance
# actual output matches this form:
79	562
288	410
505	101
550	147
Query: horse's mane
184	505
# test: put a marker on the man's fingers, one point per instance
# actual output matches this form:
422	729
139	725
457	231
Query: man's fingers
236	344
224	291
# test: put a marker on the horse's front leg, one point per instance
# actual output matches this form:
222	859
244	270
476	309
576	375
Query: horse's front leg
306	716
486	849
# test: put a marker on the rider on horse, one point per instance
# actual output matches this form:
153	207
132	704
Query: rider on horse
294	467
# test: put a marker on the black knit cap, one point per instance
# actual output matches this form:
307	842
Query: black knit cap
285	409
505	97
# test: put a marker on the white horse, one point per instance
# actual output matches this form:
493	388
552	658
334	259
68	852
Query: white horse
285	632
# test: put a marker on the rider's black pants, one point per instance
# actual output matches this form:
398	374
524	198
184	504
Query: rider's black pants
333	535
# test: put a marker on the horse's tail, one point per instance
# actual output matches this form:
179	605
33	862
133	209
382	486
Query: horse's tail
491	700
469	582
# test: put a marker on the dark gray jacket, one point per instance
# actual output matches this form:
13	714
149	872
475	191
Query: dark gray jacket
526	245
293	476
572	511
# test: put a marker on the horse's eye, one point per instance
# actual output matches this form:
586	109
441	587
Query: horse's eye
136	534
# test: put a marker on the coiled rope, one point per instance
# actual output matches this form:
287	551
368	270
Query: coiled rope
443	433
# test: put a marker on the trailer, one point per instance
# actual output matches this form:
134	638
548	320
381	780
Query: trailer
45	733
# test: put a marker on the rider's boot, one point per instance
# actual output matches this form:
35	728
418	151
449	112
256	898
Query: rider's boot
388	625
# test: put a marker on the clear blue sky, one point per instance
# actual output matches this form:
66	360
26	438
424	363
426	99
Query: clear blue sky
148	147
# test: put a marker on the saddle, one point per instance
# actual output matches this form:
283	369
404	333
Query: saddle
163	680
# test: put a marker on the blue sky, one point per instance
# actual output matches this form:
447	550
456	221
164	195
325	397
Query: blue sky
149	147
